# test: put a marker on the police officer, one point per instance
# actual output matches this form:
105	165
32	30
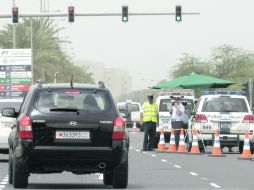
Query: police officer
177	118
149	118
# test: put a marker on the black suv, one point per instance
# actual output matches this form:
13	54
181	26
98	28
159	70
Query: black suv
68	127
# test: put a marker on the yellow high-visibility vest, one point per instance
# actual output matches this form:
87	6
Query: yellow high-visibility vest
150	112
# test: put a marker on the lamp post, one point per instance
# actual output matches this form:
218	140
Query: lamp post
55	76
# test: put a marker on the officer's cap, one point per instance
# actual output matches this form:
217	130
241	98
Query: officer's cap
150	96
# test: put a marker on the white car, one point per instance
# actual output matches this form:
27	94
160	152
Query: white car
231	114
7	122
134	109
164	102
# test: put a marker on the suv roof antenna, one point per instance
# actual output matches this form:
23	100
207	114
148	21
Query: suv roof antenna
71	81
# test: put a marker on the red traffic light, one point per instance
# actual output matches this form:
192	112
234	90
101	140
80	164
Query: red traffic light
15	9
71	8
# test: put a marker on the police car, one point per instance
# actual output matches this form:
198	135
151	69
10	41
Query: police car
164	102
227	111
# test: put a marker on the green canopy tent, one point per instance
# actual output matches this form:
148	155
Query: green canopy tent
194	80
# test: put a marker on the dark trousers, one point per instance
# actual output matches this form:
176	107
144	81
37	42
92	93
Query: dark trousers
149	135
177	125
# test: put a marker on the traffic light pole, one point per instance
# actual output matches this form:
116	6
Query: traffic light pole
13	30
91	14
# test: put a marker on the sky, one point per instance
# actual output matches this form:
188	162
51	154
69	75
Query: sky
147	46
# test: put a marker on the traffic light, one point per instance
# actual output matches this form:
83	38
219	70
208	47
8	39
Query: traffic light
71	14
245	88
15	15
178	13
125	13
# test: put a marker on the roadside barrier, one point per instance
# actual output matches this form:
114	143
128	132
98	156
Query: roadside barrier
216	152
194	147
246	154
181	147
161	145
172	143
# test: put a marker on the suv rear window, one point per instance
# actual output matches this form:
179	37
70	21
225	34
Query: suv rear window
224	104
132	107
83	100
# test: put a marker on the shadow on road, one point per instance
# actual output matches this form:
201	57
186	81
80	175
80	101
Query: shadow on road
4	160
75	186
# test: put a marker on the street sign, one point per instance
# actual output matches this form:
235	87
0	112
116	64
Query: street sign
15	72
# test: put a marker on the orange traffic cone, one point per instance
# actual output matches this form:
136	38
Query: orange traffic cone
172	143
246	155
181	147
161	145
194	145
134	128
216	146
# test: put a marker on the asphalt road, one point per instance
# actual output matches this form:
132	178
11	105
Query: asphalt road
151	170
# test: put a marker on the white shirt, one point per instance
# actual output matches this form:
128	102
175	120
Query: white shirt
175	115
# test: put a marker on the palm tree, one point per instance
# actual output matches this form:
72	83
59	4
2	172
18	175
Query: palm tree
48	56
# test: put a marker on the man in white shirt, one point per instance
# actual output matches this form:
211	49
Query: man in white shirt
177	118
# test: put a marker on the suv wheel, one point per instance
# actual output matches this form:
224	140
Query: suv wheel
107	178
10	168
19	175
120	176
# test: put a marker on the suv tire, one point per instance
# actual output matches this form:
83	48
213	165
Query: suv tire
19	175
107	178
120	176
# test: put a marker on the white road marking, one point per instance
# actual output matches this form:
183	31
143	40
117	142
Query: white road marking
193	173
153	155
204	178
215	185
130	147
5	179
164	160
101	176
3	183
2	186
177	166
138	150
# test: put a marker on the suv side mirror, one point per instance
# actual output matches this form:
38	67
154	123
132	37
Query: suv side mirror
8	112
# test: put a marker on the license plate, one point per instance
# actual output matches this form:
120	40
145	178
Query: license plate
73	135
165	121
225	127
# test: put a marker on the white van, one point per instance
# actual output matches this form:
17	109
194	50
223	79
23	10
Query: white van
134	109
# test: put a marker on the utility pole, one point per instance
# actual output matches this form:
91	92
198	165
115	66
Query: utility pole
250	92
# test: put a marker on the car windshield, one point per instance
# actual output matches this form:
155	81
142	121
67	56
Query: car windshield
166	105
224	104
132	107
67	100
15	105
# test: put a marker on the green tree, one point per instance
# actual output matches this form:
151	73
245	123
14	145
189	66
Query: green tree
48	56
190	64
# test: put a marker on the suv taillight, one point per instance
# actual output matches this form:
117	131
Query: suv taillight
201	118
25	128
119	129
248	119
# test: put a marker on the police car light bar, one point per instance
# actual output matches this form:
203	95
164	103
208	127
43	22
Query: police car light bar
222	92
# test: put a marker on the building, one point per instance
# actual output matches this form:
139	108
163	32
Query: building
119	81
